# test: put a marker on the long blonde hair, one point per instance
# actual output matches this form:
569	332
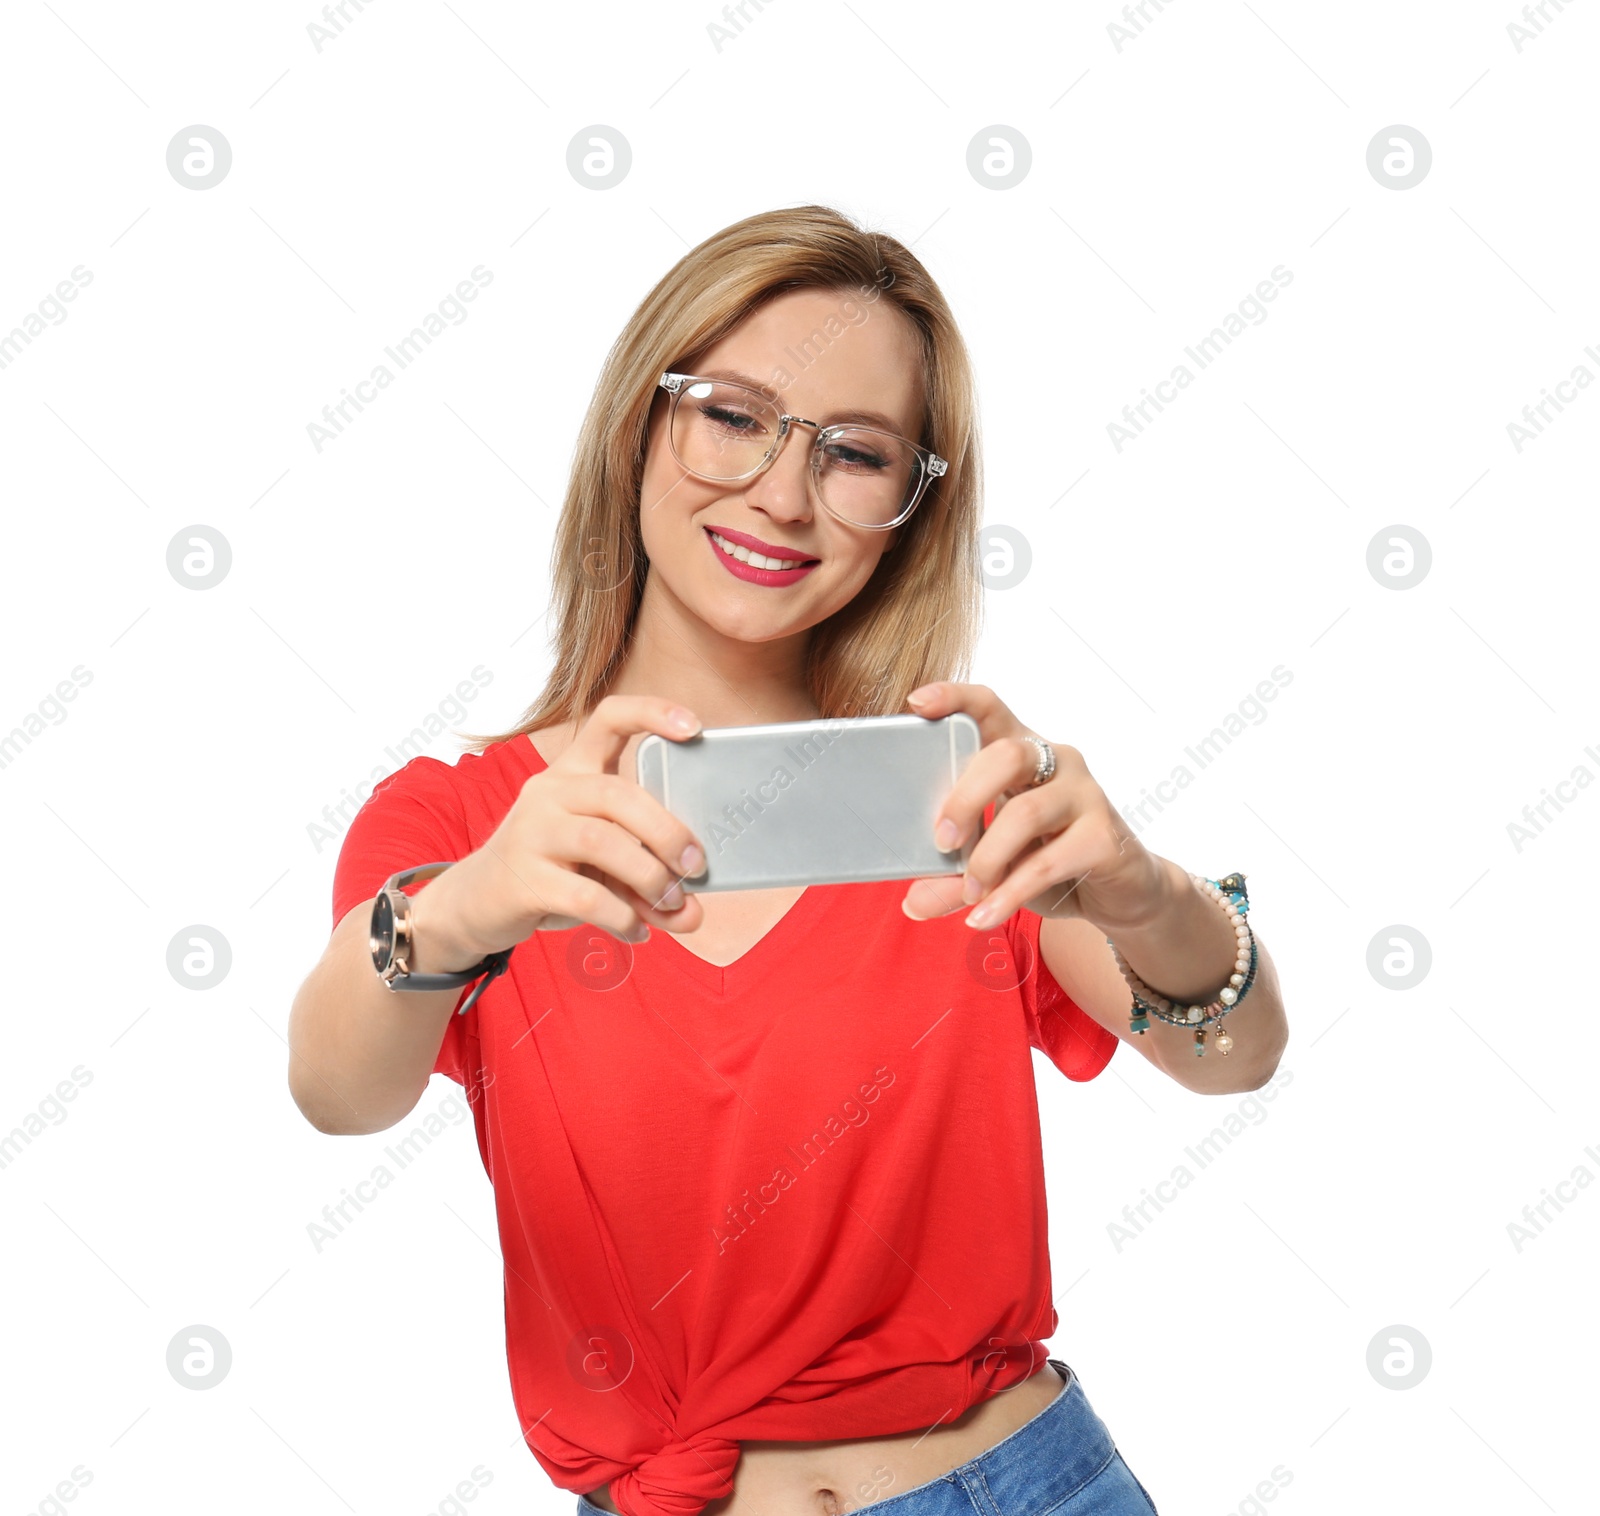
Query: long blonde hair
915	620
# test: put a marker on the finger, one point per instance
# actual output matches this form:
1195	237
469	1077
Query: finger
689	918
1008	763
928	898
605	847
944	696
597	747
636	810
575	897
1049	873
1017	831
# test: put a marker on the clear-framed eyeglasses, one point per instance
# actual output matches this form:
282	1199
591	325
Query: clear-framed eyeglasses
727	432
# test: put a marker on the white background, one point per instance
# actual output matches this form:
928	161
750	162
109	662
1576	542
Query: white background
1169	175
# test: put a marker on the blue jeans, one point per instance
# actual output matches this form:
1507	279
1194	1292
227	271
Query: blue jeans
1061	1463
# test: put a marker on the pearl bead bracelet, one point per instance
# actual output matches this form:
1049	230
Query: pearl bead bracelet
1229	893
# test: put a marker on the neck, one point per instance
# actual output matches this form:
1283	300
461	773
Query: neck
724	679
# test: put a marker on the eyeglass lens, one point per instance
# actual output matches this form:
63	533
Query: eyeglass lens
724	431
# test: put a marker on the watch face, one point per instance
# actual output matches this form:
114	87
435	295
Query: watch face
381	939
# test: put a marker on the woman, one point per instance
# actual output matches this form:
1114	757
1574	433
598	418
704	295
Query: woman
769	1182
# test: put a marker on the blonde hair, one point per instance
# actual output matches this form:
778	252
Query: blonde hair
915	620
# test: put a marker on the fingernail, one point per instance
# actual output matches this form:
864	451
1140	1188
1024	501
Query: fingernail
693	860
945	835
672	900
918	696
971	888
683	721
640	934
983	916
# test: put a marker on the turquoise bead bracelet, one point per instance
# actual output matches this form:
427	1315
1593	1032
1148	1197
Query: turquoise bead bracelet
1228	892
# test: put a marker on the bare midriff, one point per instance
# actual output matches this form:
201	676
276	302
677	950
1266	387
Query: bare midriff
830	1478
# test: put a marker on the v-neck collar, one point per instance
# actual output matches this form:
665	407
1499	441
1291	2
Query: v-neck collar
719	978
758	962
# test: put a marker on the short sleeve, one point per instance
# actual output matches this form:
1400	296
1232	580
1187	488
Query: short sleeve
411	818
1061	1029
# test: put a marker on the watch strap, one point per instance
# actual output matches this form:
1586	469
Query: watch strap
396	972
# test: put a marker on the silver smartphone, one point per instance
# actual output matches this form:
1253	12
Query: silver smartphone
814	802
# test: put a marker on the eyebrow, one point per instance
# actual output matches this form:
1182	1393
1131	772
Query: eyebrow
839	417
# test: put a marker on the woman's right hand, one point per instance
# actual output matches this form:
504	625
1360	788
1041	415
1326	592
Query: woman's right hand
579	844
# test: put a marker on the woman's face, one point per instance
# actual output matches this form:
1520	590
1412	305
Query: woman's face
848	360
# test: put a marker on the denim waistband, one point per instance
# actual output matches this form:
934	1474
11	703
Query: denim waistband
1037	1467
1045	1461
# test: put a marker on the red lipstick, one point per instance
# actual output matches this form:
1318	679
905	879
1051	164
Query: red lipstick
773	578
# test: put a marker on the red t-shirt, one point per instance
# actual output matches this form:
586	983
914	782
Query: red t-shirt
799	1197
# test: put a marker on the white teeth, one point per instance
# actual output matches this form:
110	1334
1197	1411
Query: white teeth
755	560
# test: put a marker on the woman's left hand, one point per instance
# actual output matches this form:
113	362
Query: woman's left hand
1058	848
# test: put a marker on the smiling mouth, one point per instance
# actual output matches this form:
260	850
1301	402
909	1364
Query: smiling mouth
754	559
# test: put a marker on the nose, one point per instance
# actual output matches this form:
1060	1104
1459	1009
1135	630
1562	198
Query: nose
783	488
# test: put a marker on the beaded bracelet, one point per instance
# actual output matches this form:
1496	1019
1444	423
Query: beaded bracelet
1228	892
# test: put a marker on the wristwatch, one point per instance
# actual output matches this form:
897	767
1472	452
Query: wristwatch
391	944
